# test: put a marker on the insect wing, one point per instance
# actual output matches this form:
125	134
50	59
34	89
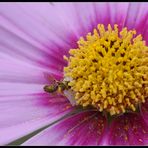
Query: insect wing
50	78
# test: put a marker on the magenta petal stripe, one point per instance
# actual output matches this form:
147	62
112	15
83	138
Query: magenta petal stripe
86	128
49	28
135	14
144	110
12	70
128	129
137	18
20	49
24	114
111	13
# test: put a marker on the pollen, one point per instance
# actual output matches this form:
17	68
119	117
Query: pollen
109	70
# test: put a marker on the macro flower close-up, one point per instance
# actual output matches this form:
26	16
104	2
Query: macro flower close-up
74	73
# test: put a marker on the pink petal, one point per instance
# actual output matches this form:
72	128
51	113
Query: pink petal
55	19
111	13
86	128
38	26
14	70
23	114
137	18
31	42
128	129
10	89
136	12
24	107
144	110
39	16
15	46
82	22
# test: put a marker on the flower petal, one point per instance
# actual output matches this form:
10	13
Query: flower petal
21	50
86	128
24	107
128	129
93	14
10	89
56	18
137	18
23	114
13	70
35	46
111	13
136	12
144	110
42	17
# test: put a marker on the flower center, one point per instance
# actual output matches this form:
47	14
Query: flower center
109	70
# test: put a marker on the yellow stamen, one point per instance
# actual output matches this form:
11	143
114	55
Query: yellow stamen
109	70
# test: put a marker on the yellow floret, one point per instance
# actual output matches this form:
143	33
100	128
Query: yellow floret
109	70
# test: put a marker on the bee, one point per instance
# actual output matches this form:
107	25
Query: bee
55	86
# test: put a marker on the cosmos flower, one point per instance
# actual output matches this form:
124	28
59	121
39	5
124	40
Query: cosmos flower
98	56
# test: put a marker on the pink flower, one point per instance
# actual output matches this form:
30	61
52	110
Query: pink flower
33	39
